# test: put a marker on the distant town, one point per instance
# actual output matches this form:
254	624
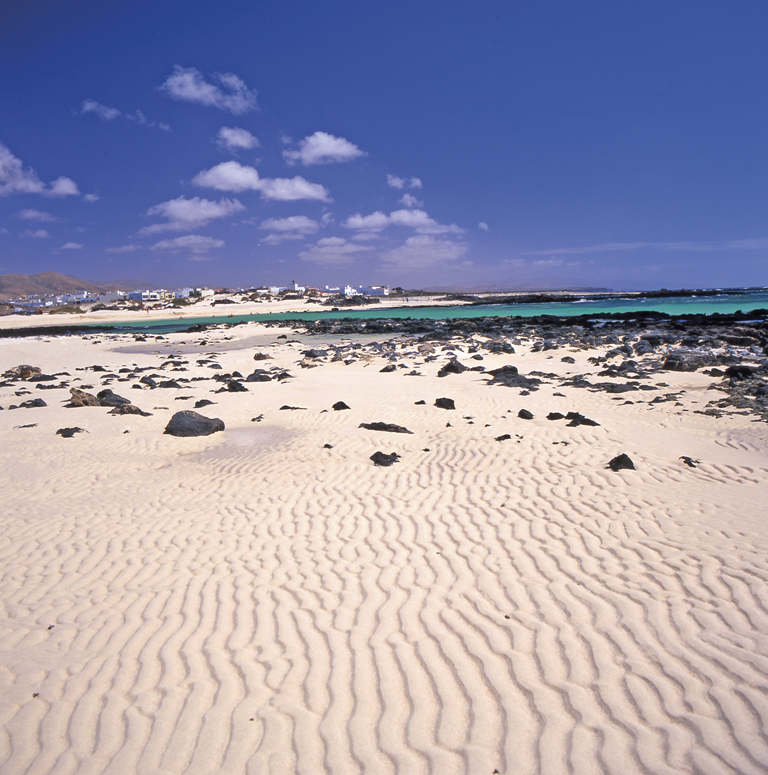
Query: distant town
161	298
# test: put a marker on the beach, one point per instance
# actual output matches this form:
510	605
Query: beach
266	599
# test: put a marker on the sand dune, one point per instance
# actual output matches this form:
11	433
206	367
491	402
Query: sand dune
251	602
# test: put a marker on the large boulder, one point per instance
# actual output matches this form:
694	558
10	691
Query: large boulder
81	398
188	423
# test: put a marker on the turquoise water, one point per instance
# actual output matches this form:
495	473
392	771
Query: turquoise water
689	305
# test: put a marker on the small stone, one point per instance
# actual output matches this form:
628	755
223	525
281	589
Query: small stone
383	459
621	462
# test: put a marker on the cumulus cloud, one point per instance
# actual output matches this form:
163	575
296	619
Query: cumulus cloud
415	219
229	93
191	242
422	252
36	234
236	177
395	182
409	201
322	148
102	111
35	215
109	114
123	249
91	197
482	225
332	251
235	139
294	227
189	214
14	179
757	243
72	246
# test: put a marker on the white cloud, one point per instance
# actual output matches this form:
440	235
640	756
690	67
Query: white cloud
72	246
366	236
188	214
395	182
36	234
35	215
415	219
109	114
123	249
91	197
188	85
291	223
757	243
482	225
14	179
332	251
235	139
233	176
63	187
102	111
192	242
423	252
410	201
294	227
322	148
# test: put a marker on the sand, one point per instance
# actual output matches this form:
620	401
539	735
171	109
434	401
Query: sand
253	602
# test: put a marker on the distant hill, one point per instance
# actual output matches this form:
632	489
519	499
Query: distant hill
46	283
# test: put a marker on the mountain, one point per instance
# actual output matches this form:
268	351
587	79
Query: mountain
47	283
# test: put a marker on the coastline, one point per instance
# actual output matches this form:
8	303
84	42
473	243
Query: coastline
267	599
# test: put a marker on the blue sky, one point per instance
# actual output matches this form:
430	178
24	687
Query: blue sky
507	144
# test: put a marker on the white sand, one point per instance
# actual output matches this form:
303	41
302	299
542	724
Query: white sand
250	602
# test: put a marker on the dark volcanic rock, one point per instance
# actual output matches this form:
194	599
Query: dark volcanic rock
383	459
68	433
579	419
108	398
258	376
555	416
32	403
445	403
689	461
262	357
452	367
388	368
24	371
339	406
503	437
203	402
129	409
621	462
286	408
233	386
524	414
81	398
189	423
739	371
384	426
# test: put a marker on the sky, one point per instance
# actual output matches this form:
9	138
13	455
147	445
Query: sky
500	144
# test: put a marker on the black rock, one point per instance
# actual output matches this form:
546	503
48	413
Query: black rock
327	446
388	368
108	398
189	423
258	376
577	419
621	462
285	408
452	367
524	414
555	416
383	459
689	461
203	402
68	433
739	371
233	386
169	383
129	409
384	426
445	403
419	403
32	403
339	406
148	381
262	357
504	437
